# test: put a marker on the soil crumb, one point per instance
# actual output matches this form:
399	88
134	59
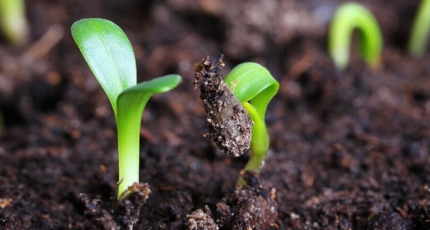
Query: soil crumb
201	220
250	207
230	125
118	214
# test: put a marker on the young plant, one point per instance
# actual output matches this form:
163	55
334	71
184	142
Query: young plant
420	30
255	87
110	56
236	108
350	16
13	23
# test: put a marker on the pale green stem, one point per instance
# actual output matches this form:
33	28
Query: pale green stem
348	17
259	142
420	30
128	151
13	22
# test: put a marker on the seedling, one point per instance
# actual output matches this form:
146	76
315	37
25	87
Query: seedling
249	86
420	30
13	22
110	56
350	16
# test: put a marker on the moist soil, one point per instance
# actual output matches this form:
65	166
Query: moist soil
349	149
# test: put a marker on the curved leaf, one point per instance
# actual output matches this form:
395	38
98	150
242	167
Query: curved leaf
252	82
108	53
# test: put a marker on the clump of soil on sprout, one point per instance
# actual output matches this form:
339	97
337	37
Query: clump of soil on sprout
230	125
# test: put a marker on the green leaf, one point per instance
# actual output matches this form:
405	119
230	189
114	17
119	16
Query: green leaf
252	82
131	103
108	53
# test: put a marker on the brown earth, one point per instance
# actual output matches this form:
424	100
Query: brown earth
349	150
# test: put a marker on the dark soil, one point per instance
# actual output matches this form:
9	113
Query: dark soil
349	150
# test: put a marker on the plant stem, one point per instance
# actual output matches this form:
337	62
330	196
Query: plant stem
13	22
420	30
350	16
128	151
259	142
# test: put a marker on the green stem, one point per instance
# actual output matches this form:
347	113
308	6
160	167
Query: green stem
259	142
13	22
128	149
420	30
131	104
348	17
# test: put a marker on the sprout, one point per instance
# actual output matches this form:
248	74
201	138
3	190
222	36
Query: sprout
236	109
255	87
420	30
348	17
110	56
13	23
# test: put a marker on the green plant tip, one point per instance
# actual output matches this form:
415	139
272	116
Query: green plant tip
348	17
420	30
13	22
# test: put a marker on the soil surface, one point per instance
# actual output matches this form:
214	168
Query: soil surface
349	150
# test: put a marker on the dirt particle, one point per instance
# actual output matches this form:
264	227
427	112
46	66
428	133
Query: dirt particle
4	202
121	214
230	125
250	207
201	220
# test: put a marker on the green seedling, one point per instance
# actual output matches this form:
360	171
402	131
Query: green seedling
420	30
13	22
110	56
236	108
255	87
348	17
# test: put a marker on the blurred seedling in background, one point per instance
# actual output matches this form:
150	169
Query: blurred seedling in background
420	30
110	57
348	17
13	23
236	108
